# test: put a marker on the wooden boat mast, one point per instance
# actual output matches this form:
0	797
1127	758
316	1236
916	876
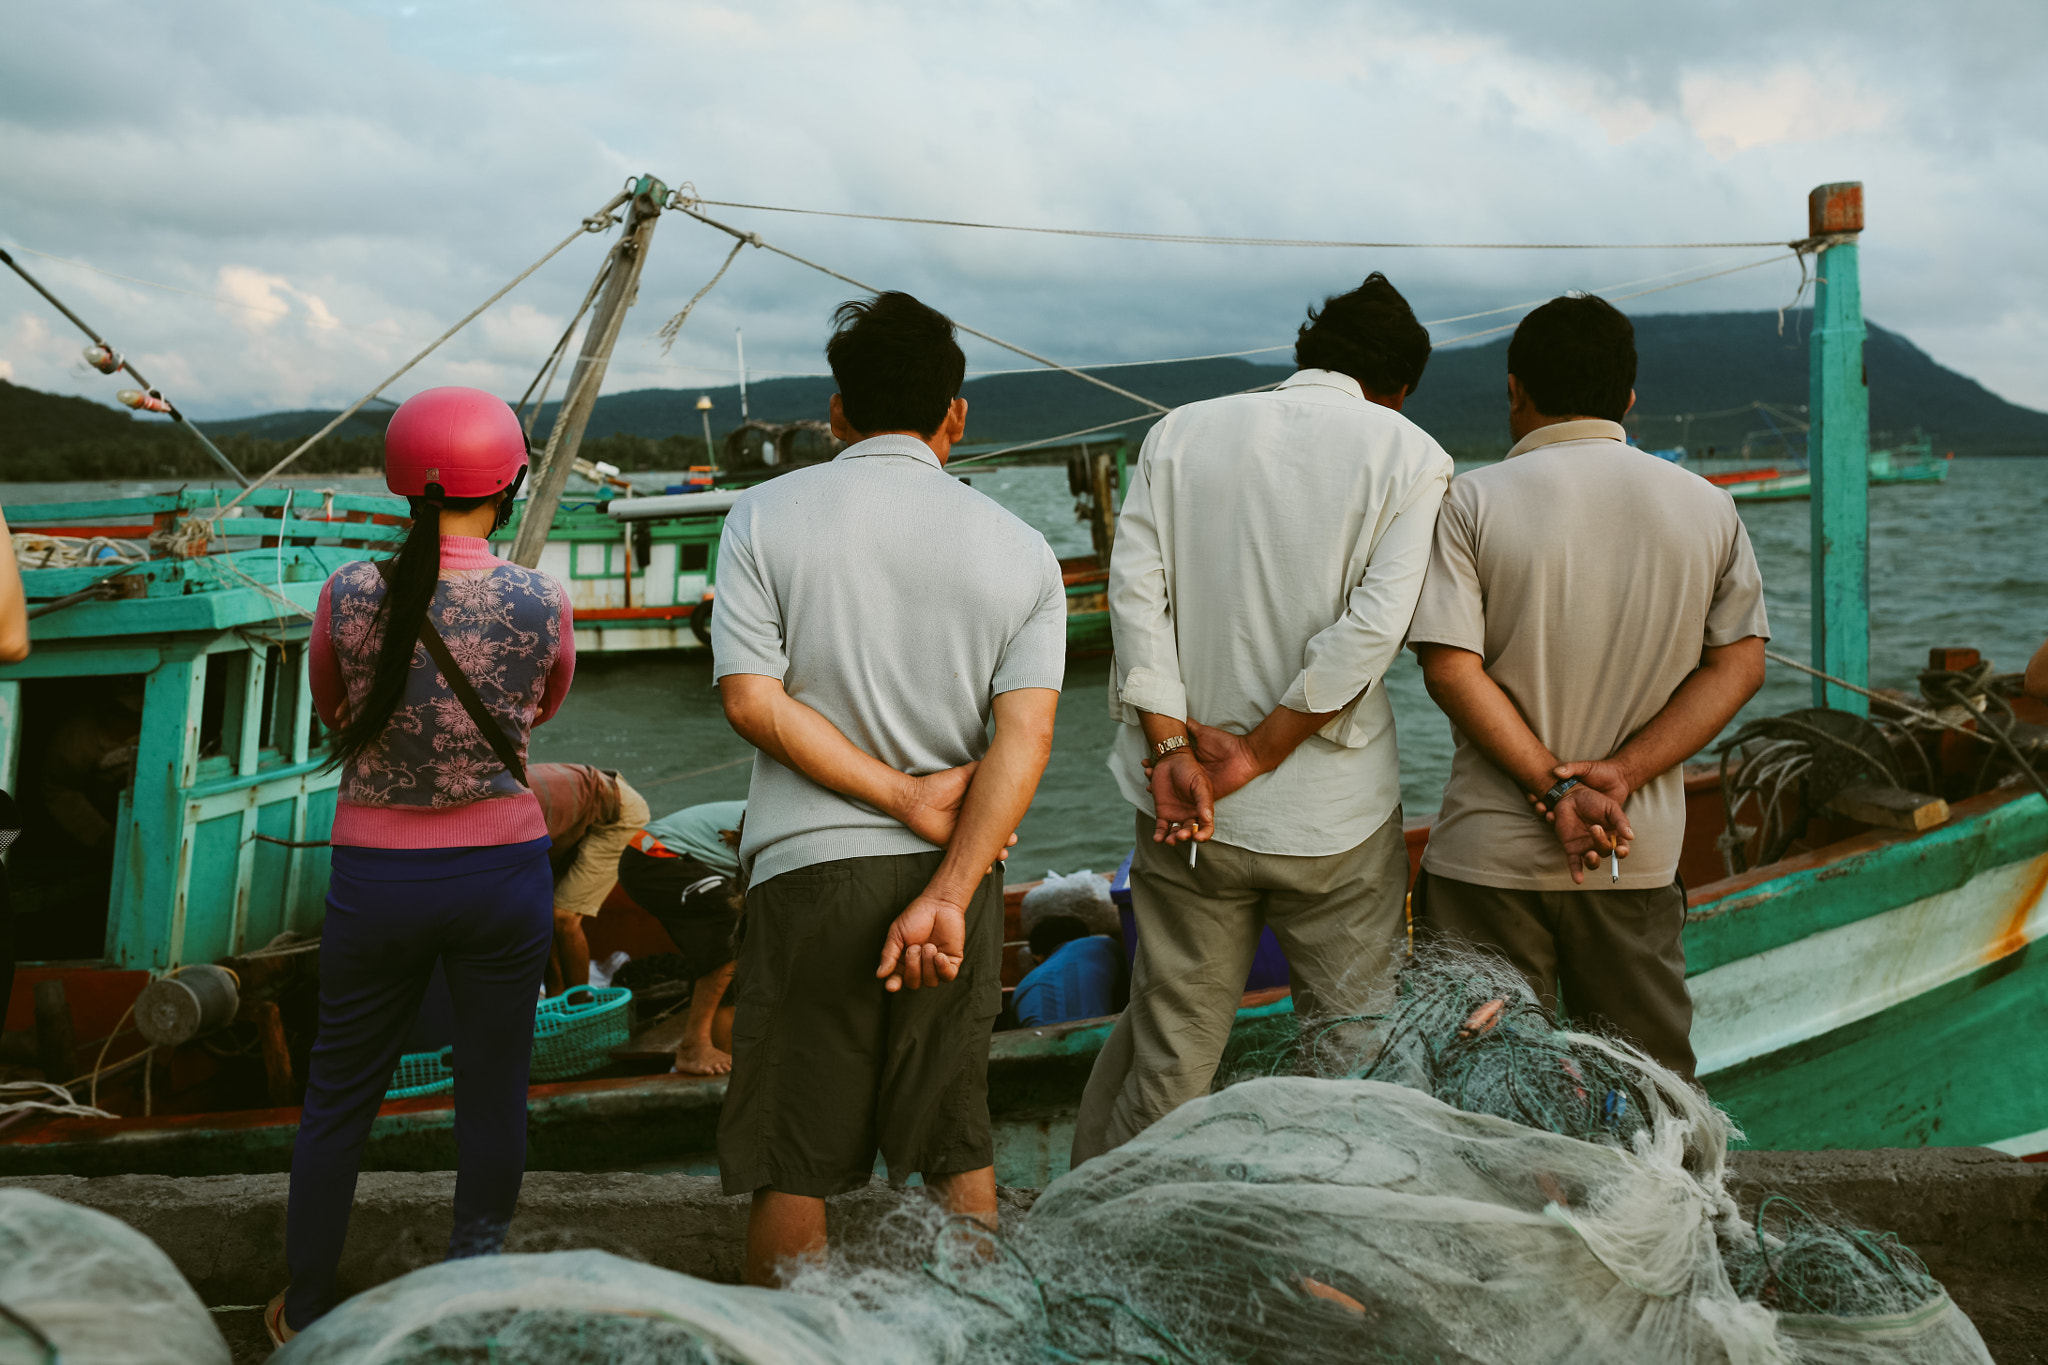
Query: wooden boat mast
1838	447
621	287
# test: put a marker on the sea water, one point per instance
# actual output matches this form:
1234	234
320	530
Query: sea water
1953	564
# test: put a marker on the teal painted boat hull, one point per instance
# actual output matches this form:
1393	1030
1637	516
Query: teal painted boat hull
1882	992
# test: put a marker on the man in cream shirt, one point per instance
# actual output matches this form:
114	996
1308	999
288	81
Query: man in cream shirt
1593	617
1266	565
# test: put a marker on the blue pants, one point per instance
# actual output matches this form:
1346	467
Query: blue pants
487	916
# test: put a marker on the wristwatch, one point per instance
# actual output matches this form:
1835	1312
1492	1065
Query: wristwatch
1557	791
1170	744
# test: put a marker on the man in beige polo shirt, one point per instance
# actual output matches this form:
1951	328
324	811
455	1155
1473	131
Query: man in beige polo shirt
1592	617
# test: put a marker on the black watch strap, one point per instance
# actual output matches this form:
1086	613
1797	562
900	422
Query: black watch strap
1557	791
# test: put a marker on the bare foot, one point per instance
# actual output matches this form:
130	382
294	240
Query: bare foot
702	1059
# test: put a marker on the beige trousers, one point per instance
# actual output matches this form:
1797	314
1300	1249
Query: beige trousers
1338	917
589	880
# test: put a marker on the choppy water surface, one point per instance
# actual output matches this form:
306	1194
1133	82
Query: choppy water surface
1957	564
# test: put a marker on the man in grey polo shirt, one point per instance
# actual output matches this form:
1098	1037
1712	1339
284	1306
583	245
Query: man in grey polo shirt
874	616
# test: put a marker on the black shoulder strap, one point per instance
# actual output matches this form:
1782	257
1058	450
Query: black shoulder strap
459	684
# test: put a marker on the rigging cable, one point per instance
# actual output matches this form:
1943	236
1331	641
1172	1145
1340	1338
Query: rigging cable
121	362
1201	239
754	239
1142	417
674	325
545	380
596	222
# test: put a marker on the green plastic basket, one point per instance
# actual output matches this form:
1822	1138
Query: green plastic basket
422	1073
576	1032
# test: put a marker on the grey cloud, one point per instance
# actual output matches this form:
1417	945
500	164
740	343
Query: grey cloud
399	168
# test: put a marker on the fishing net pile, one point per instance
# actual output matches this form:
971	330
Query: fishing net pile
77	1285
1484	1187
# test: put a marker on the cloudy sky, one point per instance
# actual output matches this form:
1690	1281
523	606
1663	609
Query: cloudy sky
311	191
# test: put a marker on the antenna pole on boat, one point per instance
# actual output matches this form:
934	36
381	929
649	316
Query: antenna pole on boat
739	342
621	286
1838	448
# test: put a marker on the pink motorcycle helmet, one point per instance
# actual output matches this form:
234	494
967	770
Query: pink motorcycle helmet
464	440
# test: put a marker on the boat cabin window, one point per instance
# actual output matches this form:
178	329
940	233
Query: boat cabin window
247	723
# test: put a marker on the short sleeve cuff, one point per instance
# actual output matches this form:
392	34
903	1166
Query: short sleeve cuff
1149	691
1469	641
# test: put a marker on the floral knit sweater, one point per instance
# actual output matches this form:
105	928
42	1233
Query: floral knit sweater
432	781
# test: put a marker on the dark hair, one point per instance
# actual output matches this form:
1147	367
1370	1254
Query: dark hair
1576	357
1054	932
407	596
1370	334
896	362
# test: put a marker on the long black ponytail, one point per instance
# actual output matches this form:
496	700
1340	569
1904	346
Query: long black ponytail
408	593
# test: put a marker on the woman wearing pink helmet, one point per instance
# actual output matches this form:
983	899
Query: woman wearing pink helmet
431	668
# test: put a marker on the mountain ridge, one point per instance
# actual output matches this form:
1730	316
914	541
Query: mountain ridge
1688	363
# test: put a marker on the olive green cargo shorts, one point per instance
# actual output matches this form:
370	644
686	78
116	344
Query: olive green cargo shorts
826	1065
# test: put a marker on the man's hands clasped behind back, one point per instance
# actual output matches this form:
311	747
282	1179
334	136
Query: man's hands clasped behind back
1589	820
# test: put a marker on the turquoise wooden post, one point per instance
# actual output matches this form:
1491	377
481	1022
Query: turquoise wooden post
1838	450
146	927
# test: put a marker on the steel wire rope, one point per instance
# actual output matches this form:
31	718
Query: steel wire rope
754	239
1204	239
596	222
1260	388
335	325
120	362
545	379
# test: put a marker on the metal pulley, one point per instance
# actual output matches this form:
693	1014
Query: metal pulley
198	1000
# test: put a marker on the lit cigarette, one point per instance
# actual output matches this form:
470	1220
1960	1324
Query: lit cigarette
1614	864
1191	854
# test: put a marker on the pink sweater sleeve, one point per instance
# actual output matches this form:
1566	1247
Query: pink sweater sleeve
323	672
564	669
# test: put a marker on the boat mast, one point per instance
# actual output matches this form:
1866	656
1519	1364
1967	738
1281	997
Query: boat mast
620	289
1838	448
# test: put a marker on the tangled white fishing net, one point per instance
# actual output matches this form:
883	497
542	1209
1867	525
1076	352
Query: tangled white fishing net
1569	1207
93	1289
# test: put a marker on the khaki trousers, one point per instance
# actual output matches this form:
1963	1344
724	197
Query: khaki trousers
590	878
1338	917
1618	957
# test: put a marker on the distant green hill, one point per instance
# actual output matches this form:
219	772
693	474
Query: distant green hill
1690	363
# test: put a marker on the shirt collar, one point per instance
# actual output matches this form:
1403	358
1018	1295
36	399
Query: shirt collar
1328	379
891	445
1585	429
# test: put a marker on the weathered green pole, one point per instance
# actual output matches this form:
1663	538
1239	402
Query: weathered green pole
1838	450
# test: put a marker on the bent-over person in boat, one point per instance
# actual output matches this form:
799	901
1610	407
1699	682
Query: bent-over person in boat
874	615
684	869
1592	618
591	814
1266	564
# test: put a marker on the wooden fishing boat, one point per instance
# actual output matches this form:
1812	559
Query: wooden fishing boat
642	572
1865	993
1911	461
